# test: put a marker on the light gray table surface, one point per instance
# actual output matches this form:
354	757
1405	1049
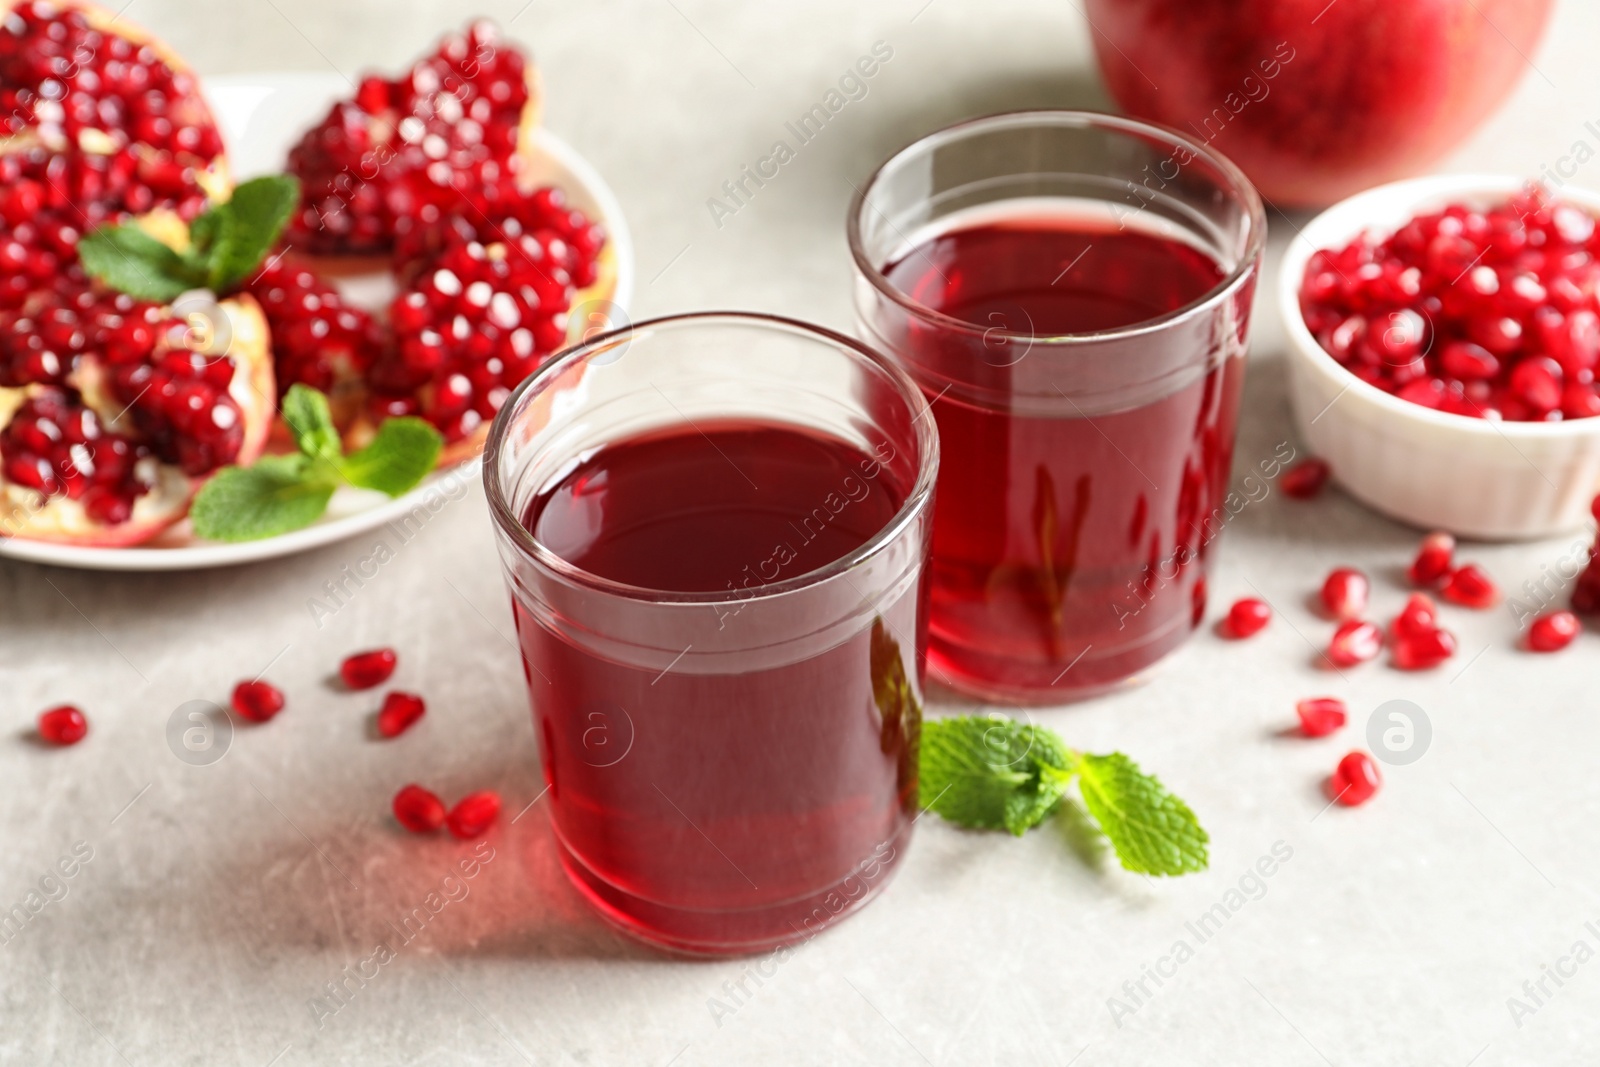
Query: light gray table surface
219	901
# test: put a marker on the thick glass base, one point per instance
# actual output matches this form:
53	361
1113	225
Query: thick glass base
747	931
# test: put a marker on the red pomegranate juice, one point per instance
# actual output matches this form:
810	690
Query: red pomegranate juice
1070	535
709	809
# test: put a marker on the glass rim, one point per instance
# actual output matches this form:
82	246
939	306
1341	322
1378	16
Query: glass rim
916	501
1242	187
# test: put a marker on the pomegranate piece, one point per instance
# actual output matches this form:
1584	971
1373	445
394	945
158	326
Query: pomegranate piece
418	810
1507	294
1586	594
108	124
183	405
57	446
1305	479
1420	651
367	669
1471	587
544	214
399	712
1248	616
1420	616
477	322
1344	593
318	339
1553	631
440	138
1354	642
257	701
473	813
1355	779
64	725
1434	561
1321	716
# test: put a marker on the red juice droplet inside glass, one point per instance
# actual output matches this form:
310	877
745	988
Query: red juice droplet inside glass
732	807
1070	534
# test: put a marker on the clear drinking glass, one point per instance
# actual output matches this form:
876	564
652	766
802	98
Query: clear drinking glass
1072	293
729	769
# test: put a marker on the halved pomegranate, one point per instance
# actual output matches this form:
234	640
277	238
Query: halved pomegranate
443	137
434	168
102	119
111	410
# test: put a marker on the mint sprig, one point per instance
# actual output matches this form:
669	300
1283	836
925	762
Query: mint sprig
226	244
993	773
279	494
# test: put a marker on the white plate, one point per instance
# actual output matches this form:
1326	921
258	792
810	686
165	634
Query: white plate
261	115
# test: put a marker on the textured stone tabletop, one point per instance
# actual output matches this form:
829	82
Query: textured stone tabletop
210	907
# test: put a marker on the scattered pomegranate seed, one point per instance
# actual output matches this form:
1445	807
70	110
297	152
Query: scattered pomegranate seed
399	711
1354	642
473	813
1355	780
1248	616
1344	593
1419	616
63	726
1553	631
418	810
1420	651
257	701
367	669
1305	479
1320	716
1434	559
1586	594
1471	587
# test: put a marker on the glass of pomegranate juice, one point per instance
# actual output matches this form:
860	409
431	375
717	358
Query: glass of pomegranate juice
1072	292
714	528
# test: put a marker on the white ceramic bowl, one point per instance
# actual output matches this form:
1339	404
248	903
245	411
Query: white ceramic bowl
1472	477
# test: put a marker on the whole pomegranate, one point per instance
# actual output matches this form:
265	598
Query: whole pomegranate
1317	100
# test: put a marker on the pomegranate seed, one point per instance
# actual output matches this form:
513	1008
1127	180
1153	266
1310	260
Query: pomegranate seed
1354	642
367	669
1305	479
257	701
1586	594
1553	631
1420	616
1248	616
63	726
473	813
1344	593
399	711
1435	557
1594	508
1355	780
418	810
1320	716
1471	587
1420	651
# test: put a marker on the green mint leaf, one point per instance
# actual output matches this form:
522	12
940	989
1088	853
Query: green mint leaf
131	261
306	412
274	496
203	234
992	773
247	227
1152	831
401	455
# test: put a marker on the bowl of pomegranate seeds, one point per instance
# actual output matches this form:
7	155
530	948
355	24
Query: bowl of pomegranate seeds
1444	342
